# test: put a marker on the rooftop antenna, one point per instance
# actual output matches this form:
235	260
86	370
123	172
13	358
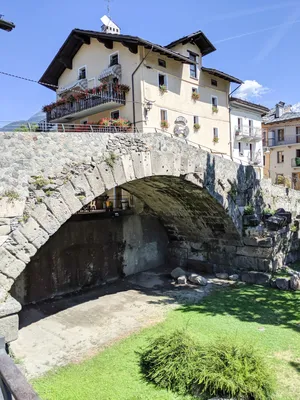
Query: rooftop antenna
108	7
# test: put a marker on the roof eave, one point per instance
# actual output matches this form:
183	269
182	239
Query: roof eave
209	48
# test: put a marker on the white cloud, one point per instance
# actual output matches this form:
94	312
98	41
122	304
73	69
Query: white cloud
250	90
296	107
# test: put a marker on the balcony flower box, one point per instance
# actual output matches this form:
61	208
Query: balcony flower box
163	89
195	96
196	127
215	109
216	140
164	124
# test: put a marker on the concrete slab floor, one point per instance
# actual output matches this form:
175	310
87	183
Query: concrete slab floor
69	329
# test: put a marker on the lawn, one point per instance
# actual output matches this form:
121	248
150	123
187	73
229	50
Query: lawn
267	318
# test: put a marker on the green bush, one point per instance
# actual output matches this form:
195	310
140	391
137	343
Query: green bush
169	361
249	210
176	362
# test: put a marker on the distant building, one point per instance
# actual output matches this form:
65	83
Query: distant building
154	87
281	133
246	132
5	25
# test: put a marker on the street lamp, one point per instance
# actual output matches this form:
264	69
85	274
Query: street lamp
5	25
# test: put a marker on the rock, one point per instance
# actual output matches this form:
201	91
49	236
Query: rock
273	283
177	272
295	282
222	275
182	280
260	278
283	283
197	279
234	277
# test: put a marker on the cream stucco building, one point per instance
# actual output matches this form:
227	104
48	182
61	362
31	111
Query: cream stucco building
246	132
281	132
154	87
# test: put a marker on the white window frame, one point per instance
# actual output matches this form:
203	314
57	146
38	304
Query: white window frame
195	89
166	111
114	112
161	59
196	119
166	78
86	71
113	54
214	97
217	130
92	80
240	148
215	80
241	125
196	65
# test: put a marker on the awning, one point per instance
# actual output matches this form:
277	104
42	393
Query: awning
115	71
81	84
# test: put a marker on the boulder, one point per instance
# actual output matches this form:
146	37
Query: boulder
197	280
222	275
177	272
234	277
259	278
273	283
295	282
283	283
181	280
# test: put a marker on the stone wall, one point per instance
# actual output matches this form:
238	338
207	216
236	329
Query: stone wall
87	252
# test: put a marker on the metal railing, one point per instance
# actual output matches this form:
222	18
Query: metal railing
247	132
272	142
103	97
13	384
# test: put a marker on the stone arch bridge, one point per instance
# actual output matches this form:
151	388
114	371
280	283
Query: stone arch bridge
45	178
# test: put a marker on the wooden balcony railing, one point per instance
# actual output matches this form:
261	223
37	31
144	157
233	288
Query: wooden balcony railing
103	97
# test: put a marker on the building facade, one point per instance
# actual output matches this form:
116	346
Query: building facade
281	133
132	81
246	132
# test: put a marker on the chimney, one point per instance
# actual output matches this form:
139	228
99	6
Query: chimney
108	26
279	109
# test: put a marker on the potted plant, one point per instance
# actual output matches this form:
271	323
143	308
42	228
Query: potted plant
267	213
195	96
215	109
163	89
196	127
216	140
164	124
280	180
104	122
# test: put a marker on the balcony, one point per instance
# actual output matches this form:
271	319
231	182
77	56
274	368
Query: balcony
288	140
295	162
248	134
254	158
86	103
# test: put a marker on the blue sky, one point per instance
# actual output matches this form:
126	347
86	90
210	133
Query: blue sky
269	59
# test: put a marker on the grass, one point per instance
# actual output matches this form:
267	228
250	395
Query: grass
267	318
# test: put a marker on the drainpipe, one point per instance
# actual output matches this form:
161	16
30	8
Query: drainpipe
230	133
132	84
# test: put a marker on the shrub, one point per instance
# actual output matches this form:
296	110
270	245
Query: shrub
168	361
196	127
249	210
232	370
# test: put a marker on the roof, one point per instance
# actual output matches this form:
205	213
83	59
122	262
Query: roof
270	118
222	75
248	104
77	37
199	39
5	25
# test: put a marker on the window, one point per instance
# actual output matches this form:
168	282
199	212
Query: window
280	135
264	161
216	133
196	119
250	126
214	82
240	149
163	115
195	90
298	134
280	157
240	124
214	101
115	114
162	80
193	67
113	59
162	63
297	153
82	73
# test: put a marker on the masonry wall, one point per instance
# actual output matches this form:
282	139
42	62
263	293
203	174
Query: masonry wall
86	253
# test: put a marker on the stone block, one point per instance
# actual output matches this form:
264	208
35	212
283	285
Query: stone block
14	269
107	175
259	278
3	239
67	192
283	283
258	242
5	282
138	165
162	165
20	247
200	266
45	219
9	327
95	181
177	272
250	251
147	163
58	208
6	258
11	208
234	277
197	279
181	280
118	172
187	165
128	167
295	282
9	306
222	275
5	230
264	265
82	188
34	233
